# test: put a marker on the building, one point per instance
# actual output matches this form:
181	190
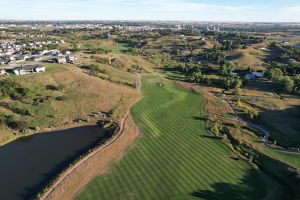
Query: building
260	73
4	61
257	74
57	60
27	69
70	58
61	60
297	46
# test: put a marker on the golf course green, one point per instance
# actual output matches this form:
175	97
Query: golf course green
175	157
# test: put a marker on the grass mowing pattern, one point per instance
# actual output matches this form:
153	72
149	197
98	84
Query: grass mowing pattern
175	158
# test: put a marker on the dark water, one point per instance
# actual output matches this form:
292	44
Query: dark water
28	164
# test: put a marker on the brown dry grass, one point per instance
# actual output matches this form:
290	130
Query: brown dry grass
277	112
248	57
85	94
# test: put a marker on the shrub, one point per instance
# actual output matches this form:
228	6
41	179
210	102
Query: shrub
117	63
15	123
9	87
2	118
61	98
286	84
54	87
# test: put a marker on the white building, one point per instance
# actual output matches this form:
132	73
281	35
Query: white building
27	69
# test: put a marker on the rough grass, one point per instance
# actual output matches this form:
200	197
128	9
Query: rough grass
82	95
176	158
249	57
104	44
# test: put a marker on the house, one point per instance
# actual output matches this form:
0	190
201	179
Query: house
57	60
251	76
70	58
27	69
262	48
297	46
62	60
32	58
36	53
4	61
45	52
257	74
66	52
21	58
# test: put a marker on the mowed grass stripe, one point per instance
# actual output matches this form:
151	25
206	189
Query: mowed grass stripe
174	159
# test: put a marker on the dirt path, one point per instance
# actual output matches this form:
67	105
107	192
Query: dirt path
71	169
266	133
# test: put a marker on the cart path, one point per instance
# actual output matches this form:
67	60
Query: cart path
67	172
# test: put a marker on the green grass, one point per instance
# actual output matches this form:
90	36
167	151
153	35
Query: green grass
289	158
176	158
117	48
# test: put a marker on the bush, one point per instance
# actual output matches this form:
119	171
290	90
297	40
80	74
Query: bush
286	84
14	123
9	87
101	60
2	118
274	74
54	87
117	63
61	98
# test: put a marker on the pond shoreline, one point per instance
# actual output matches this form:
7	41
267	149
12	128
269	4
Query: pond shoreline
44	156
114	127
46	130
105	149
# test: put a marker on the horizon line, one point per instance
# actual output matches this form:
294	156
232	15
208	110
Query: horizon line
141	20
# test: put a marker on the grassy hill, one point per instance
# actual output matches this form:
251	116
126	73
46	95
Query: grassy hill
176	158
59	98
249	57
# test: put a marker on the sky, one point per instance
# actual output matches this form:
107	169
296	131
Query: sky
177	10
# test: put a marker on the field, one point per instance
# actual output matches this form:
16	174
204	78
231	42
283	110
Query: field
249	57
62	97
176	158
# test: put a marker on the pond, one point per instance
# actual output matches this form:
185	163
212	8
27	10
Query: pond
28	164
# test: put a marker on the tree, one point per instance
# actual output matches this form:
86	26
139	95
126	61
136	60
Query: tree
224	138
274	74
297	84
216	127
286	84
198	77
228	77
215	130
238	93
228	68
245	80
